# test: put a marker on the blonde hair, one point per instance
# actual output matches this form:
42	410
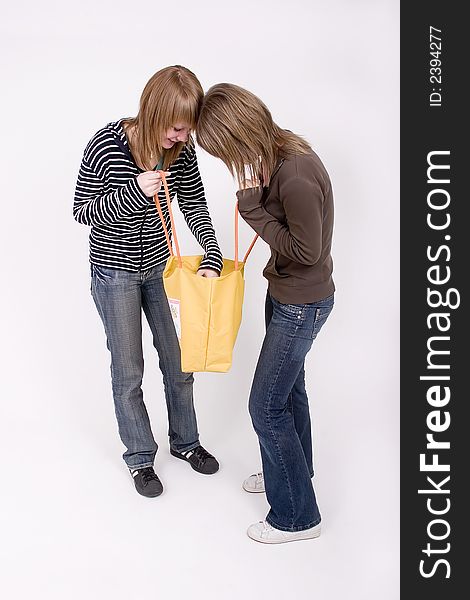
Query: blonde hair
237	127
173	95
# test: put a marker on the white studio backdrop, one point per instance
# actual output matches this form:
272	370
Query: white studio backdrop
71	524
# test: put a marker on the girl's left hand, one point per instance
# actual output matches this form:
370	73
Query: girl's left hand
208	273
249	183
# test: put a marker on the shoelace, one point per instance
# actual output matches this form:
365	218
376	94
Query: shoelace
267	528
202	455
148	474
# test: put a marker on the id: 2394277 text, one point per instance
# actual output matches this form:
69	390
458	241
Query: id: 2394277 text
435	66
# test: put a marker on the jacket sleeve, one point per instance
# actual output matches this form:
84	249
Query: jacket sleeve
300	238
94	205
193	205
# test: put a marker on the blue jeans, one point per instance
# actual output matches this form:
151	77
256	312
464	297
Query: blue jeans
279	410
120	297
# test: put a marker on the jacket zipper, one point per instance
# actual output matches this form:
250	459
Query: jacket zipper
277	168
141	240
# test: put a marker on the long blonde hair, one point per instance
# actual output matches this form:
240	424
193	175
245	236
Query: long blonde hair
237	127
172	95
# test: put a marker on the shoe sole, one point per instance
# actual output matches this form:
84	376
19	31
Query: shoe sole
285	541
180	456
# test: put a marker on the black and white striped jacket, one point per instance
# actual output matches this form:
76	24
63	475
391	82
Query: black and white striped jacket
126	231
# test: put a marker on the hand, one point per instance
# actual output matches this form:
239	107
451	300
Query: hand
150	182
253	176
208	273
250	183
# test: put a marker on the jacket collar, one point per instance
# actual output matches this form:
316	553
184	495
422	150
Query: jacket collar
278	166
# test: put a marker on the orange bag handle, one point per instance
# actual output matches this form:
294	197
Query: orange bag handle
168	241
173	228
236	240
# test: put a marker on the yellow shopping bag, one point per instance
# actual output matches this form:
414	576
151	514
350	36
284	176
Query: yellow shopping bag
206	311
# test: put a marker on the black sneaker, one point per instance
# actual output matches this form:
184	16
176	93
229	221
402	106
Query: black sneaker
147	483
200	460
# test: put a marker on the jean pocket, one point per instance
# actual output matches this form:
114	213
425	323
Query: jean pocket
158	269
292	311
103	275
321	315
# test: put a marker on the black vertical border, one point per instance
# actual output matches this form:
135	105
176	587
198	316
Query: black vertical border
424	129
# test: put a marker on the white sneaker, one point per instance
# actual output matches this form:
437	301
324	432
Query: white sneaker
254	483
267	534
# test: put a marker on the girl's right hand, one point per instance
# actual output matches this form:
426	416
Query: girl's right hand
150	182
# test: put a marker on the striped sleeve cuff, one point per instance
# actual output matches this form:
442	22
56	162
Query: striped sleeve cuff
212	261
136	194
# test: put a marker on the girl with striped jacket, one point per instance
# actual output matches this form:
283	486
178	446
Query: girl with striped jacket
114	195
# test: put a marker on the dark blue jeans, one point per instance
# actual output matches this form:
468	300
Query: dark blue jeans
120	296
280	413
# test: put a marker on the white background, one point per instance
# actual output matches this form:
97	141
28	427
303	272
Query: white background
72	526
